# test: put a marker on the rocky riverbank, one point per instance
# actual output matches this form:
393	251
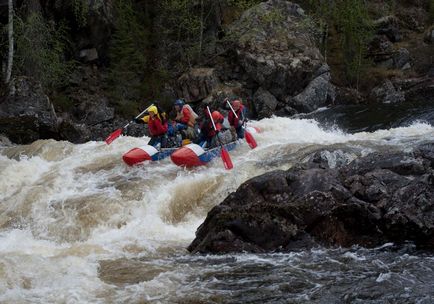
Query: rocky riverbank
376	199
270	56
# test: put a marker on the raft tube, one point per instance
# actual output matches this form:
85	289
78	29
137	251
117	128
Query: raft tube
193	155
252	129
144	153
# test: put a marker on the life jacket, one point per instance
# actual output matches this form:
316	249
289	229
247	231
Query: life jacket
233	120
156	126
187	116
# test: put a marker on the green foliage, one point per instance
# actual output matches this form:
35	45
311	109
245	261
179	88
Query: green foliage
351	21
243	4
272	17
431	10
40	50
128	53
182	26
62	102
185	24
80	9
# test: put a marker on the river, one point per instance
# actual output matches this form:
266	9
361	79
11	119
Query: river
79	226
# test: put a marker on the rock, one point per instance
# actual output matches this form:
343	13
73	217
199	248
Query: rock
27	114
429	35
387	93
264	103
318	93
278	53
88	55
347	96
197	84
387	197
389	26
76	133
417	89
95	26
401	59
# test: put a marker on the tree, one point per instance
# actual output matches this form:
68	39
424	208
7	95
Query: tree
11	41
351	21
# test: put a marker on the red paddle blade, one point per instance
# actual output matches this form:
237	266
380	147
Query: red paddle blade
250	140
113	136
226	159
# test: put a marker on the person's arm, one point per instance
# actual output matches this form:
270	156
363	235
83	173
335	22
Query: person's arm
142	120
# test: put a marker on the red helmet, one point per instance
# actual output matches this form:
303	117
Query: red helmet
216	116
236	103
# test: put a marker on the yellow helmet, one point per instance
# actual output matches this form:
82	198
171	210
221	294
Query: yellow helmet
153	109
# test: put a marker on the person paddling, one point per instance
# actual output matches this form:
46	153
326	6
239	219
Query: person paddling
157	125
237	121
185	119
207	132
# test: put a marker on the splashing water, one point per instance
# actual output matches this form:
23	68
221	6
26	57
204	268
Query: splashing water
79	226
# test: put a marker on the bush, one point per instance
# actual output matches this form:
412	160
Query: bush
128	50
40	50
351	21
431	10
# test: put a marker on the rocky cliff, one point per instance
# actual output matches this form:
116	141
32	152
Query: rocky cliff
269	55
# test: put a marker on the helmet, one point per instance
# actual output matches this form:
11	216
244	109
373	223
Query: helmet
216	116
153	109
236	103
179	102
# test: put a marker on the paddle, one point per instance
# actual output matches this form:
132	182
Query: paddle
227	162
118	132
249	137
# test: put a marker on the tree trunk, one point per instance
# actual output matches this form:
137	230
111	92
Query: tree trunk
201	29
11	41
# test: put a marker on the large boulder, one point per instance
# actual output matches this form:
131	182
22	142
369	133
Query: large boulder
276	48
264	102
375	199
197	84
26	113
317	93
387	93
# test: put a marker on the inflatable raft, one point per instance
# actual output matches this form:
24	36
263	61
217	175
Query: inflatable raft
193	155
146	152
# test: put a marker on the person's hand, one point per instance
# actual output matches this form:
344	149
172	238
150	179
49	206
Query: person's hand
138	120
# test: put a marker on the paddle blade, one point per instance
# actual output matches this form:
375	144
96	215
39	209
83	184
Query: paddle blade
226	159
250	140
113	136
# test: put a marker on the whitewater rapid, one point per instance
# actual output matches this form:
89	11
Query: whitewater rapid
71	214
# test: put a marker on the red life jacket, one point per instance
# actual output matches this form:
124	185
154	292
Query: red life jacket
234	121
156	127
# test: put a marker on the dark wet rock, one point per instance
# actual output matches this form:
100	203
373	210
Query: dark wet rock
401	59
348	96
264	102
88	55
73	132
417	89
429	35
383	197
197	84
26	113
387	93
